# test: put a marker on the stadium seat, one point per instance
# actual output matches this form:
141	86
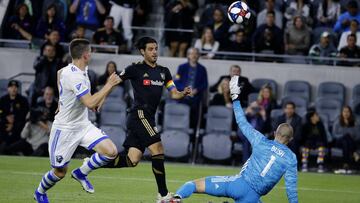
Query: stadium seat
117	94
300	103
216	147
113	119
332	90
3	86
116	134
175	132
252	97
217	133
114	106
276	113
298	88
325	119
219	120
330	107
356	92
259	82
355	105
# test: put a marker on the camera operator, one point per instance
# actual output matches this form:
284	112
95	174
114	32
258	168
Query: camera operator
34	136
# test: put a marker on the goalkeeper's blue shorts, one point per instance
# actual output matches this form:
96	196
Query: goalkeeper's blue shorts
234	187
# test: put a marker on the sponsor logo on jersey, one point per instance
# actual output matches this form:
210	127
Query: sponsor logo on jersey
157	83
162	76
146	82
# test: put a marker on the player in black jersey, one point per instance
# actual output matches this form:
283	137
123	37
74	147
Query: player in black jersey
147	79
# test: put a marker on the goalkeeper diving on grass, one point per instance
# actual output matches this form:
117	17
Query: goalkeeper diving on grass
269	161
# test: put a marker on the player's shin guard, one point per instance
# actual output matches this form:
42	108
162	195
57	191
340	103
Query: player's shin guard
120	161
321	155
47	181
159	173
186	190
94	162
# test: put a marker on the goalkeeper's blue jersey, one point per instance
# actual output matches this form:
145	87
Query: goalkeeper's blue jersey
268	162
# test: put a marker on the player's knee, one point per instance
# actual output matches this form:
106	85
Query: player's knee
111	152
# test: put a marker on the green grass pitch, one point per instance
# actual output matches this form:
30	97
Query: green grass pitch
19	176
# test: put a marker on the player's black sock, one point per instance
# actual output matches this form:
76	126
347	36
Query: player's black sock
159	173
120	161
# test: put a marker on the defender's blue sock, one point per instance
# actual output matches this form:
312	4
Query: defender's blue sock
186	190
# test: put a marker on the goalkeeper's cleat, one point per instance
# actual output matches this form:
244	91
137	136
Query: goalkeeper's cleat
82	179
169	198
40	198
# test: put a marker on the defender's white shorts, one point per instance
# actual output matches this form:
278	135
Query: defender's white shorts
63	143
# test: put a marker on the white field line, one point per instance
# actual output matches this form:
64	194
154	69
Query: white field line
179	181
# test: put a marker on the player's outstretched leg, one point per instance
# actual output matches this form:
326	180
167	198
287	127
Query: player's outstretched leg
48	180
105	153
131	159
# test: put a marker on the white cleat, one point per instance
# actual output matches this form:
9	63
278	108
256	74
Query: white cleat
169	198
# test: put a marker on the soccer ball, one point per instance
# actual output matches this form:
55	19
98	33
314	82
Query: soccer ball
238	12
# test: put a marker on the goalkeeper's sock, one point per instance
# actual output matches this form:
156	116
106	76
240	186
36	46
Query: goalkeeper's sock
94	162
47	181
120	161
186	190
159	173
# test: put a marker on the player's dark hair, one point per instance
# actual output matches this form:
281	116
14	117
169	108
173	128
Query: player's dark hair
142	42
78	47
270	13
109	18
290	103
352	35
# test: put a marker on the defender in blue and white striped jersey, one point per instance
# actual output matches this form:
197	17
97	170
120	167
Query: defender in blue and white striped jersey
269	161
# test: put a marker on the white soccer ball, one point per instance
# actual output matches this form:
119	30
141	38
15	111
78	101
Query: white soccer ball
238	12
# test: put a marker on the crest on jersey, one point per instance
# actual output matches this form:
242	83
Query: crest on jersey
59	158
78	86
162	76
145	75
73	69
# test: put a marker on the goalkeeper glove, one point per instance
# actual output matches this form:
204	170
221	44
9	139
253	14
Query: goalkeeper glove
235	88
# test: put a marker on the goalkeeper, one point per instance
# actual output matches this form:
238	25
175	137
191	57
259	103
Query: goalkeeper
269	161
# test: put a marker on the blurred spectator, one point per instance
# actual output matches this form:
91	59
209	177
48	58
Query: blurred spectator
109	36
79	32
328	12
192	74
93	80
324	49
266	101
13	110
49	103
50	21
34	7
343	22
62	8
111	67
34	136
350	51
46	68
298	8
246	89
256	116
270	6
141	12
292	118
297	37
354	25
123	12
20	26
222	96
268	37
241	43
87	12
313	137
180	15
220	28
207	43
345	132
53	38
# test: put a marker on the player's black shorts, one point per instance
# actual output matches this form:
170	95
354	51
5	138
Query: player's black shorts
142	130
